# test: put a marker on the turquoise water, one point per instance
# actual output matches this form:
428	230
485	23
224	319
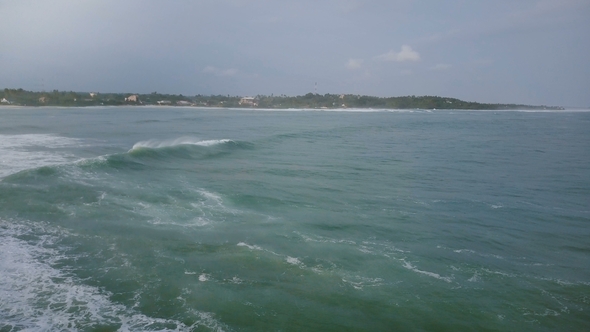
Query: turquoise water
181	219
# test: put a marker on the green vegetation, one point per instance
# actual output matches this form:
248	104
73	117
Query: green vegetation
310	100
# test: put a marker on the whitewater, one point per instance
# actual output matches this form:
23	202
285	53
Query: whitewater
181	219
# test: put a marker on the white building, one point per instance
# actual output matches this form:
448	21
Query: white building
251	101
133	98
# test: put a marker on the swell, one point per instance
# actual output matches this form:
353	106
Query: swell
146	152
142	156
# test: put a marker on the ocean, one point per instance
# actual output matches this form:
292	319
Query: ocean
187	219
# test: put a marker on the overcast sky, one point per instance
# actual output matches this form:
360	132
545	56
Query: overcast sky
514	51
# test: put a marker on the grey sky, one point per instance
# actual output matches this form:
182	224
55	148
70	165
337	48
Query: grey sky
524	51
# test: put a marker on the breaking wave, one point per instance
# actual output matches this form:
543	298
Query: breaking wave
156	144
20	152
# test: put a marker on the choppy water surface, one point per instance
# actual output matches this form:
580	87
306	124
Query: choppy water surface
177	219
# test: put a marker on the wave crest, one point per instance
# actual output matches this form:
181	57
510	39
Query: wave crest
156	144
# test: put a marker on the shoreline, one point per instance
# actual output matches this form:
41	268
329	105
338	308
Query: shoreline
311	101
351	109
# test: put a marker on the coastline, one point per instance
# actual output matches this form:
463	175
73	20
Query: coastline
351	110
310	101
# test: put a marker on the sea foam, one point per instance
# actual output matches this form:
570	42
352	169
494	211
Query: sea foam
34	295
411	267
155	144
20	152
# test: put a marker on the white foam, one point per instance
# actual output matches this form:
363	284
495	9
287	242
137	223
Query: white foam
92	161
365	250
203	277
469	251
464	250
562	282
211	203
386	248
236	280
196	222
318	269
205	211
213	142
356	285
251	247
210	196
200	222
547	312
144	205
294	261
35	296
16	156
154	144
409	266
322	239
499	273
474	278
359	282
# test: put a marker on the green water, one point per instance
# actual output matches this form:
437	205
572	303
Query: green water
181	219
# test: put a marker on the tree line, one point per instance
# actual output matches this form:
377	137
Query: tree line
310	100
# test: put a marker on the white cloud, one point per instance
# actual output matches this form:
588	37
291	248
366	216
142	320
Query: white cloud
220	72
441	66
406	54
354	63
